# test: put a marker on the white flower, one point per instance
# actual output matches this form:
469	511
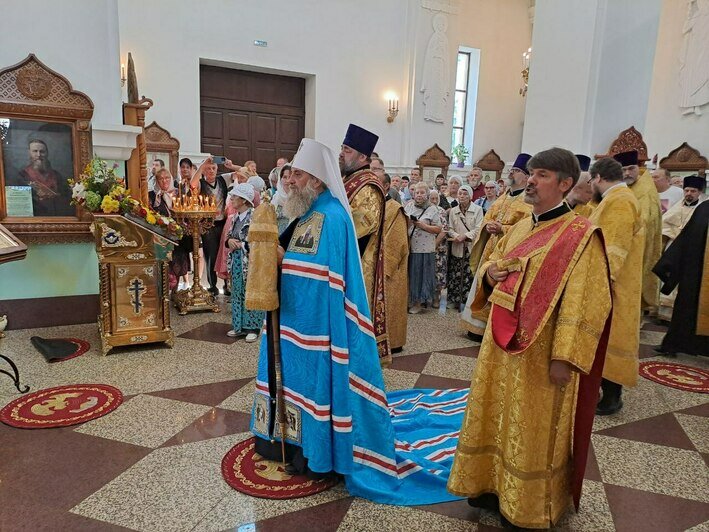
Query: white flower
78	191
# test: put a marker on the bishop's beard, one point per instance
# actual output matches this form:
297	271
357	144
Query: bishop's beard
298	201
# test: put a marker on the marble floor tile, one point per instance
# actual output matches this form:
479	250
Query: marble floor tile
172	489
211	332
203	394
648	467
634	510
413	363
471	351
236	509
399	380
594	512
325	517
450	366
242	400
660	430
215	423
144	420
46	472
651	337
441	383
365	516
429	331
697	428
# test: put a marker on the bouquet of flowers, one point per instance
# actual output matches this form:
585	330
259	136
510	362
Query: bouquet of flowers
100	190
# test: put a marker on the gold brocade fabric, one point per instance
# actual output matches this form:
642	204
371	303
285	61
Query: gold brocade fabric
516	437
584	210
649	201
366	208
508	210
618	216
396	286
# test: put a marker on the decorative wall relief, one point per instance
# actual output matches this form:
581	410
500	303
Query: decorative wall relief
694	58
447	6
436	72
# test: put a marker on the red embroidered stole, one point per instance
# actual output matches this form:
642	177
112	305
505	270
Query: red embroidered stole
515	327
353	185
516	321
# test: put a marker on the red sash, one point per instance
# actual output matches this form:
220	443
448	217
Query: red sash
516	323
353	185
514	330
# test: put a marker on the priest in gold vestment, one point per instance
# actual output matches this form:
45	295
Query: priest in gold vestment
396	275
507	210
524	440
579	198
618	216
366	196
642	185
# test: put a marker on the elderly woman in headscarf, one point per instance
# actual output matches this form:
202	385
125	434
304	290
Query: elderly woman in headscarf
160	200
279	194
244	321
424	224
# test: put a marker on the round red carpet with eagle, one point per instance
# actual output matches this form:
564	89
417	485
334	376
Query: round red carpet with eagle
61	406
248	472
676	376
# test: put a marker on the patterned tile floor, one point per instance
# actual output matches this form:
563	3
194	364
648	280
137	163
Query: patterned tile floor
154	463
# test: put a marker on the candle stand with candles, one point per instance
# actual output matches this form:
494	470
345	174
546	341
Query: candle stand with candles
196	214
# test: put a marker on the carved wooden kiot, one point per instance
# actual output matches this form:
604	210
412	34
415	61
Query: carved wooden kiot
491	162
685	159
628	140
434	157
32	91
158	139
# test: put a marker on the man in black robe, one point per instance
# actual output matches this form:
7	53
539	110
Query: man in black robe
685	264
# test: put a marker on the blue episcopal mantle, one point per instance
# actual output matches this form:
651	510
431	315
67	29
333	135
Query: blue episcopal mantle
394	448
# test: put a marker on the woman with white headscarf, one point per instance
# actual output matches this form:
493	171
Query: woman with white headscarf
244	321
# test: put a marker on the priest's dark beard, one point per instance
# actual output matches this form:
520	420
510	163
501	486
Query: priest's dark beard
299	201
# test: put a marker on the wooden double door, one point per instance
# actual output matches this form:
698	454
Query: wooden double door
251	116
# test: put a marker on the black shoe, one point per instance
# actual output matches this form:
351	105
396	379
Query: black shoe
213	290
396	350
611	401
475	337
227	292
665	352
486	501
609	410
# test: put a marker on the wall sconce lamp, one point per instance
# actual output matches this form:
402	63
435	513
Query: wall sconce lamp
123	74
393	109
526	56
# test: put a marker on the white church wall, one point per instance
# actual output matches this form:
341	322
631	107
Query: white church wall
77	38
354	50
591	72
666	127
352	53
502	31
625	75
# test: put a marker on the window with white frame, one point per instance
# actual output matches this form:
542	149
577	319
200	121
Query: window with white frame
465	97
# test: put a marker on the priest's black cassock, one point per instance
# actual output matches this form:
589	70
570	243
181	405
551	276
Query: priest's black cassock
685	264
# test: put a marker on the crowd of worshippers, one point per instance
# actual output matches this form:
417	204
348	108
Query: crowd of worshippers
551	268
433	236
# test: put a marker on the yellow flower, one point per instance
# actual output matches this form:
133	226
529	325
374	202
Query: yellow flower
150	219
109	205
